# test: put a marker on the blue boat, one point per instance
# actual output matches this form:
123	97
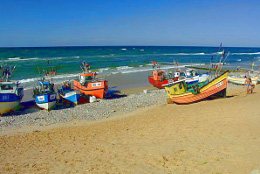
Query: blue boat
44	94
11	93
68	94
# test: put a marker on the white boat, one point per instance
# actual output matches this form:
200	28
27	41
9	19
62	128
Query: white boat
11	93
45	96
241	80
46	105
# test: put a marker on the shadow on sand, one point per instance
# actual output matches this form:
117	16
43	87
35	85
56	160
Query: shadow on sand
114	93
28	107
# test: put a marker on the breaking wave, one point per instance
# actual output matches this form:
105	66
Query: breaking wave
255	53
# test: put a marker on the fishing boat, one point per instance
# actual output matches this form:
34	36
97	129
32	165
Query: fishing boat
88	84
159	77
44	94
179	93
11	93
241	80
67	93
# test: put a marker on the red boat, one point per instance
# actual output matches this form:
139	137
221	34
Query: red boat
88	84
159	79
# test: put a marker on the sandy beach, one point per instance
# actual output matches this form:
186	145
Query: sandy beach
129	87
213	136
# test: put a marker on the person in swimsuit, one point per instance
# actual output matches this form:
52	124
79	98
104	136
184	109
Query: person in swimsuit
249	85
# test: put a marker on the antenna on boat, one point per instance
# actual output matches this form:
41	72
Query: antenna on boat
85	67
6	71
210	63
222	60
175	62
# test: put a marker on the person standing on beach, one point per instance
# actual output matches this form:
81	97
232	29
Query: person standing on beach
250	86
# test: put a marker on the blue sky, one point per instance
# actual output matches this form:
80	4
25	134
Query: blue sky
129	22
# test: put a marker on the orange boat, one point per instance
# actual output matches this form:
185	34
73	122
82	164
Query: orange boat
158	79
179	93
88	84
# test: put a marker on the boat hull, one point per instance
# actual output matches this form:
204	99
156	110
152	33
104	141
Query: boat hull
46	101
97	88
6	107
46	106
71	96
9	102
216	86
160	84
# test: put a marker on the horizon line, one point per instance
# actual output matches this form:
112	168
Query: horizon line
57	46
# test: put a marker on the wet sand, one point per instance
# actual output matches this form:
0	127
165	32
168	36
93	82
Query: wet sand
213	136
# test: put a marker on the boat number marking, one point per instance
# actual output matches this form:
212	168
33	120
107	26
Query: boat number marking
53	96
5	97
219	84
96	84
40	98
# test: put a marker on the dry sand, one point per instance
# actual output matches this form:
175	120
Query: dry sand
216	136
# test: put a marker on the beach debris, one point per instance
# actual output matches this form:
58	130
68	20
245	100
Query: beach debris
92	99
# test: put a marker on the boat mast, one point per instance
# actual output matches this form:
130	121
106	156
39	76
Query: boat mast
222	59
6	72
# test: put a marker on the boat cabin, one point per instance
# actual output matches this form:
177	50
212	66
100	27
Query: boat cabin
66	86
43	88
177	88
10	87
191	73
87	77
158	75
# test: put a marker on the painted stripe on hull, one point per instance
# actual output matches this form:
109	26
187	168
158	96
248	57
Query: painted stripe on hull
72	96
194	98
91	88
6	107
213	87
46	106
99	93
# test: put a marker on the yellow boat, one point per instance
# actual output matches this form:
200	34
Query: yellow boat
179	93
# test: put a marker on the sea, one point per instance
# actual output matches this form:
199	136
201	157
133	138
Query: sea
108	60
